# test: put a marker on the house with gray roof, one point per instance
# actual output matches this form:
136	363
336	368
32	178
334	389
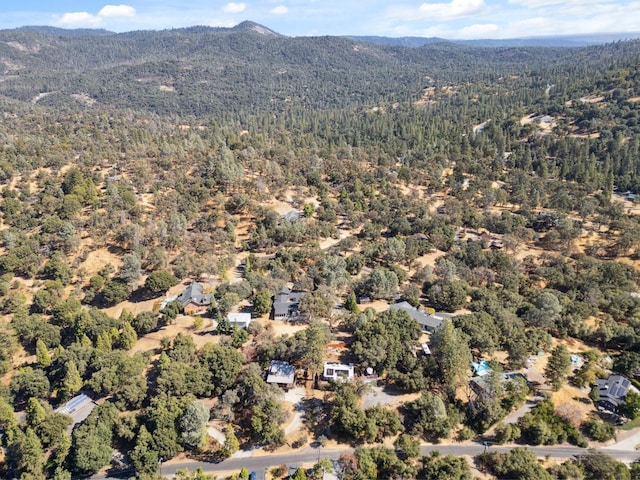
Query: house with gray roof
285	304
78	408
612	392
281	373
428	321
193	299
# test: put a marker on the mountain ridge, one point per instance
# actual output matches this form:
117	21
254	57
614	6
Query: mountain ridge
568	40
203	69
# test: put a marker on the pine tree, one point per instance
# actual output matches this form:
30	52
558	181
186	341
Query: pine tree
35	412
71	383
452	353
61	451
42	354
104	342
85	341
231	443
58	351
127	337
558	366
25	457
351	303
143	457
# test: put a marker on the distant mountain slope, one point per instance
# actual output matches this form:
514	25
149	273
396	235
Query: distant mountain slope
66	32
550	41
398	41
201	70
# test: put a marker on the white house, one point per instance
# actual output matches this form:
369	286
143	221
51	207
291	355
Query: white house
239	319
338	371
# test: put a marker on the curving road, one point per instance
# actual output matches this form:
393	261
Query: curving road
260	464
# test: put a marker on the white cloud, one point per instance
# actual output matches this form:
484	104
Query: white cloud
75	19
436	12
479	30
86	19
454	9
535	3
279	10
233	7
547	3
109	11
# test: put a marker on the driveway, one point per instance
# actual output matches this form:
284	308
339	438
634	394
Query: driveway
514	416
295	396
629	440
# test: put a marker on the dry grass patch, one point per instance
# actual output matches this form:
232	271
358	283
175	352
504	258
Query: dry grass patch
98	259
183	324
569	407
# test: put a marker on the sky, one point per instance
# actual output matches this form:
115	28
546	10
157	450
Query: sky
453	19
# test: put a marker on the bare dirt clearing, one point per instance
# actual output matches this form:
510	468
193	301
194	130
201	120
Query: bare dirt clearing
378	396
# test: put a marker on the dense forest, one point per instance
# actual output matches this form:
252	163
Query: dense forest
497	183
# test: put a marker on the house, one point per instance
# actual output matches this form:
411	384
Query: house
285	305
194	301
78	408
239	319
483	385
612	392
428	321
281	373
338	371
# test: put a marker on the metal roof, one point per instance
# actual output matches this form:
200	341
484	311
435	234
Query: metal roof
281	372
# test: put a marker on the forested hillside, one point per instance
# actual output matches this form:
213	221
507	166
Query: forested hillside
496	184
248	69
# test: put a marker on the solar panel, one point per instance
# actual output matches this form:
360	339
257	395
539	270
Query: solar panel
626	383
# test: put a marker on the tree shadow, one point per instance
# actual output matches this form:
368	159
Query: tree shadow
141	294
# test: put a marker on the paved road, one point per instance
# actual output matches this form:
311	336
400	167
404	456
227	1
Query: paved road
262	463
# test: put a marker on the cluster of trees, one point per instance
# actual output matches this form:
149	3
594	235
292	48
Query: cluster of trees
523	464
349	421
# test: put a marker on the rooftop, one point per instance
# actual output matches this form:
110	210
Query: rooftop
425	319
78	408
194	293
614	388
281	372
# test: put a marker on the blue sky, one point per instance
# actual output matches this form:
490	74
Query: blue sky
453	19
